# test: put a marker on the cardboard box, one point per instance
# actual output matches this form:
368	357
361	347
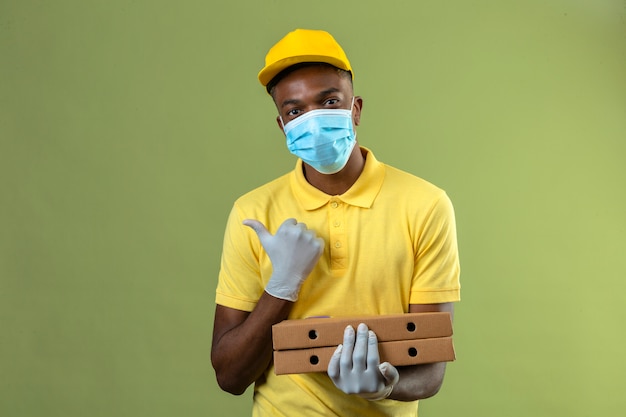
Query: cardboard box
319	332
397	353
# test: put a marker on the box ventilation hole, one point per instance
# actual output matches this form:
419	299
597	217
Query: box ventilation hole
412	352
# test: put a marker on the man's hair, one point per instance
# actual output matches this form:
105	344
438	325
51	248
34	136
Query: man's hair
270	86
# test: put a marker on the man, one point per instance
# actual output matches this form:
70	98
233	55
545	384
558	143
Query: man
341	235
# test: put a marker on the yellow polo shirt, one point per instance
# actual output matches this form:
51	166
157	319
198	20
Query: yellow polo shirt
390	242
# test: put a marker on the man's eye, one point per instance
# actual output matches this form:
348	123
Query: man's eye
332	101
293	112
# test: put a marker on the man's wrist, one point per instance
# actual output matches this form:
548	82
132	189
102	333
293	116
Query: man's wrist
380	395
284	292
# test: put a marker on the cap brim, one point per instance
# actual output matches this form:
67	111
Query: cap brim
272	70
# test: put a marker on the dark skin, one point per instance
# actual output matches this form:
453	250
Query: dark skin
242	341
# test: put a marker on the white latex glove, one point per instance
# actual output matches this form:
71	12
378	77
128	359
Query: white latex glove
355	366
294	250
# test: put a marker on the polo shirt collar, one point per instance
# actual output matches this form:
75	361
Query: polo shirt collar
362	193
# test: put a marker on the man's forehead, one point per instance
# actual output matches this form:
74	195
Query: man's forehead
314	80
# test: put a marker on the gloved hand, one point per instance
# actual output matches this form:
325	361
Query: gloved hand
355	367
294	250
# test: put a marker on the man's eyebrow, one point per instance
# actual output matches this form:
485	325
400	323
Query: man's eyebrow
290	101
326	92
320	96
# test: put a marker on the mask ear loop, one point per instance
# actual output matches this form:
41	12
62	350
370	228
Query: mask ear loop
352	116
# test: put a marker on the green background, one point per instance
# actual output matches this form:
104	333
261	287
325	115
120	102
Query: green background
128	128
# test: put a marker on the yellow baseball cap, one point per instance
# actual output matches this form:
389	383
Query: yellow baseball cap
303	45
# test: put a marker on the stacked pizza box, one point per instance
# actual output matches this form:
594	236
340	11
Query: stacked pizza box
302	346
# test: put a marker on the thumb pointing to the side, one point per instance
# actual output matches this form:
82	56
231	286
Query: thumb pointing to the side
259	228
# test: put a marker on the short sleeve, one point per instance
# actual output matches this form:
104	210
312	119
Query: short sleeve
239	284
436	275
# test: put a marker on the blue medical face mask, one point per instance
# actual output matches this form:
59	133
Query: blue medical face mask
323	138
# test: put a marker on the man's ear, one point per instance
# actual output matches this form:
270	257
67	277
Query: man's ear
280	124
356	110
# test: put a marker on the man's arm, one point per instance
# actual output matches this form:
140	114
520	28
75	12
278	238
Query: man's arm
242	342
421	381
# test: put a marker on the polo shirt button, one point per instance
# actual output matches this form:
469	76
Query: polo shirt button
337	244
336	223
334	204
